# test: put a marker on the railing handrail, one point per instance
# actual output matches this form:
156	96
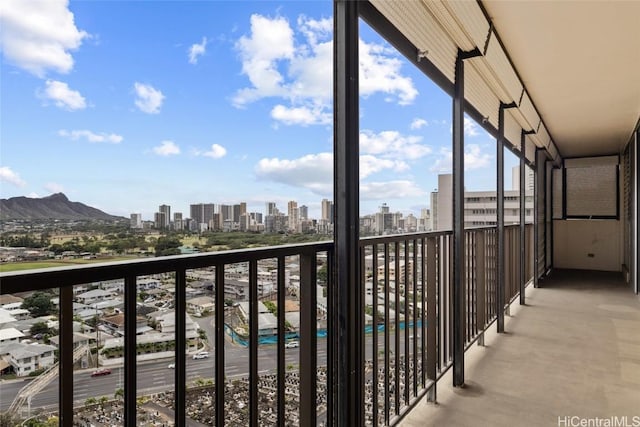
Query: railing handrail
46	278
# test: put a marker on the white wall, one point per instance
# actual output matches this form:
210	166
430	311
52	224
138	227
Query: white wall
574	240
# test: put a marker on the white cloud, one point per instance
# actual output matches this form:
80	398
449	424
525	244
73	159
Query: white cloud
148	99
418	123
380	72
473	159
271	40
166	148
300	115
33	195
54	187
392	144
216	152
390	190
11	177
196	50
313	171
63	96
296	67
470	128
37	36
370	164
90	136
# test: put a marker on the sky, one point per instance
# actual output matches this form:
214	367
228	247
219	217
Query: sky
127	105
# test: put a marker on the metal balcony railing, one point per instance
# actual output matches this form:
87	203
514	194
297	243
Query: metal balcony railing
407	312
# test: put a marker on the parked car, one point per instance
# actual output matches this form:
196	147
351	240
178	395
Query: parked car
292	344
100	372
201	355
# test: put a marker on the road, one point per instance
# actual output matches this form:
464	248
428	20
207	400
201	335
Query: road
156	376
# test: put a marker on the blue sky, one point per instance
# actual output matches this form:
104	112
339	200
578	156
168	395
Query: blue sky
128	105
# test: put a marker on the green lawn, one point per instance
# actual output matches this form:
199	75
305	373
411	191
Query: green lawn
31	265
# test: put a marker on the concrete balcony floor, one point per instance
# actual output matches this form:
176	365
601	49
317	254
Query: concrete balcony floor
572	351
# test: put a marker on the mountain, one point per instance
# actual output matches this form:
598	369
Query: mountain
55	206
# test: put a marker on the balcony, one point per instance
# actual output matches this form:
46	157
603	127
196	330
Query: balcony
408	315
572	351
406	312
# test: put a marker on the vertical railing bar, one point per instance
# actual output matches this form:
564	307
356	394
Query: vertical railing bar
415	329
332	356
281	339
308	339
451	298
423	320
444	293
374	297
432	318
130	351
65	355
481	283
396	254
181	344
219	343
253	342
467	260
407	355
387	328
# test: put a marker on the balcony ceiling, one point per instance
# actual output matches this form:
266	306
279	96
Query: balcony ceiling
580	62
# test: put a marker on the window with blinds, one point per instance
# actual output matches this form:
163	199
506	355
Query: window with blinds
591	187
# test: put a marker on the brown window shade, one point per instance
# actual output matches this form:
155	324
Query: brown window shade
591	187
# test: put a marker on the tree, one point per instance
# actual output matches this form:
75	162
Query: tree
167	245
39	304
39	328
322	274
119	393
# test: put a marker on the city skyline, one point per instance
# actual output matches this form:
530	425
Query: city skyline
233	105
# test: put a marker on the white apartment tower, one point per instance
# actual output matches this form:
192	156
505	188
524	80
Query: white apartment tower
136	220
294	215
166	210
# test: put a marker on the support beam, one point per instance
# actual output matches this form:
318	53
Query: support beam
458	219
348	331
65	356
458	224
181	344
500	286
523	198
130	351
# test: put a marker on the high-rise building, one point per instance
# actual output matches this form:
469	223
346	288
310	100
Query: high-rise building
178	224
226	211
202	213
136	220
237	211
293	213
166	210
304	212
327	210
270	208
159	220
480	207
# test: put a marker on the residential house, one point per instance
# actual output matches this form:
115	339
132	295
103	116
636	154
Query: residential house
27	358
94	296
8	335
200	305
